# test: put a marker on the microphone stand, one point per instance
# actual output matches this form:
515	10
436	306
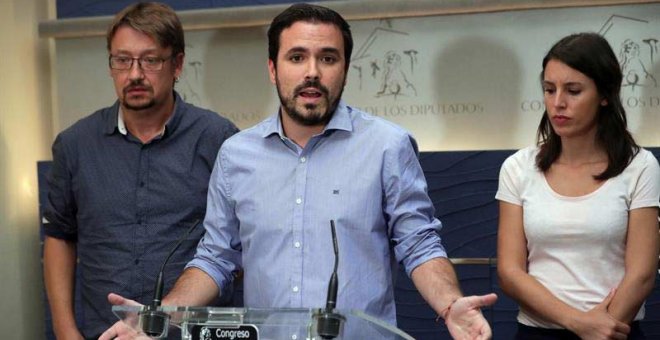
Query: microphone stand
329	323
152	321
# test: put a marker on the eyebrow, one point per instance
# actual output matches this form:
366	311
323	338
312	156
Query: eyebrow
570	83
330	50
298	49
148	51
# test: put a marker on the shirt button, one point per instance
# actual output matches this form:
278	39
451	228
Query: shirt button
298	200
141	184
294	336
295	289
303	159
297	244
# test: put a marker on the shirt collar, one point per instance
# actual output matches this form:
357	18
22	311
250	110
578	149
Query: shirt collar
121	126
341	120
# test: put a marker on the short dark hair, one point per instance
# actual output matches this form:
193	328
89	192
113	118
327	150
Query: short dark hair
591	55
154	19
312	14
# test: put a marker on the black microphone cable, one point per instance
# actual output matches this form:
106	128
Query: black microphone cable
154	323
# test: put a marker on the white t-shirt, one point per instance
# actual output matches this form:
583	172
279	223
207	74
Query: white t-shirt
576	245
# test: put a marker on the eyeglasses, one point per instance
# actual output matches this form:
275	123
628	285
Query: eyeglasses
147	64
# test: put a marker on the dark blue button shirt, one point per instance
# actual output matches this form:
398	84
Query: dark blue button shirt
126	203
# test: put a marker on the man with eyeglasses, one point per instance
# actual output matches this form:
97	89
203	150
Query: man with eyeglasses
130	179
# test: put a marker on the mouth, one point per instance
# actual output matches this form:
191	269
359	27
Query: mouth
310	93
560	119
136	90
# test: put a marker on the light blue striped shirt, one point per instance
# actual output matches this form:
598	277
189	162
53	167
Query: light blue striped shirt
270	203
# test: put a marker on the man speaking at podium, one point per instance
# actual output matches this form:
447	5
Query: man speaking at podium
276	186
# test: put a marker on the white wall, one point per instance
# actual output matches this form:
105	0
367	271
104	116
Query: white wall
25	137
468	81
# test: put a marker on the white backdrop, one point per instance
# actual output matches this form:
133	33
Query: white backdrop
458	82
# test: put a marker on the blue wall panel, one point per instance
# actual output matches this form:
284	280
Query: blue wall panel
91	8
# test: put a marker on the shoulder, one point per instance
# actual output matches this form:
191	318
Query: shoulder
381	131
363	121
249	137
206	117
646	157
522	159
644	161
517	174
91	125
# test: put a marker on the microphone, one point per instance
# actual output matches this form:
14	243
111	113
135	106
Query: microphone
329	323
152	321
333	285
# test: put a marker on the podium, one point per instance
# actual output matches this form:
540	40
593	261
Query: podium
214	323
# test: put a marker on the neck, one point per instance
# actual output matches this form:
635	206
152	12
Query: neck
149	123
299	133
581	150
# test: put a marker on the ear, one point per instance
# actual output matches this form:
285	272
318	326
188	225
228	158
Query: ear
178	65
272	72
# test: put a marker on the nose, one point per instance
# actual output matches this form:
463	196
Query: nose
135	72
559	99
313	72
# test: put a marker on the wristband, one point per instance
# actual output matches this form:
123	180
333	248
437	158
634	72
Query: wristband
445	312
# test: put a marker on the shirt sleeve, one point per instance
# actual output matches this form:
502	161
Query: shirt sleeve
218	131
408	208
509	181
61	209
219	251
647	190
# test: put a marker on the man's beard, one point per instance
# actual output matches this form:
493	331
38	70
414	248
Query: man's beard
142	106
313	117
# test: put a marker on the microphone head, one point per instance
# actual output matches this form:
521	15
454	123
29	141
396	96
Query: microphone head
154	323
329	325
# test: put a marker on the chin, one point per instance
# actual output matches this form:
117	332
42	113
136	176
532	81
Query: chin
139	106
